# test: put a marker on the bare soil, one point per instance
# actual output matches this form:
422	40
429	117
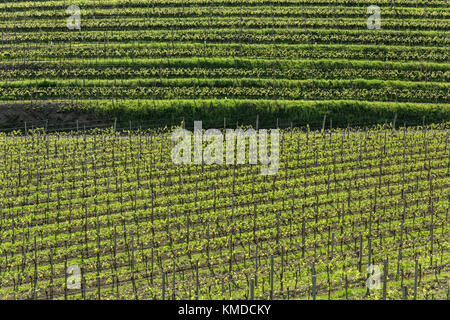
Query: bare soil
43	114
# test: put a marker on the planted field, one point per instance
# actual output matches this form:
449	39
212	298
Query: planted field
238	52
358	205
138	226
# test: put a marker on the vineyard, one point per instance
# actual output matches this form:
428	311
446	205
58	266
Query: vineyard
139	226
289	53
92	205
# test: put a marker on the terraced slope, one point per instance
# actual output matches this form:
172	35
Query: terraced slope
106	214
260	55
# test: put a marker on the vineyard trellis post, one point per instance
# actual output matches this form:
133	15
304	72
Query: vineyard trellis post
271	277
256	265
83	281
35	270
416	263
385	276
173	280
65	272
197	283
313	280
163	286
360	253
